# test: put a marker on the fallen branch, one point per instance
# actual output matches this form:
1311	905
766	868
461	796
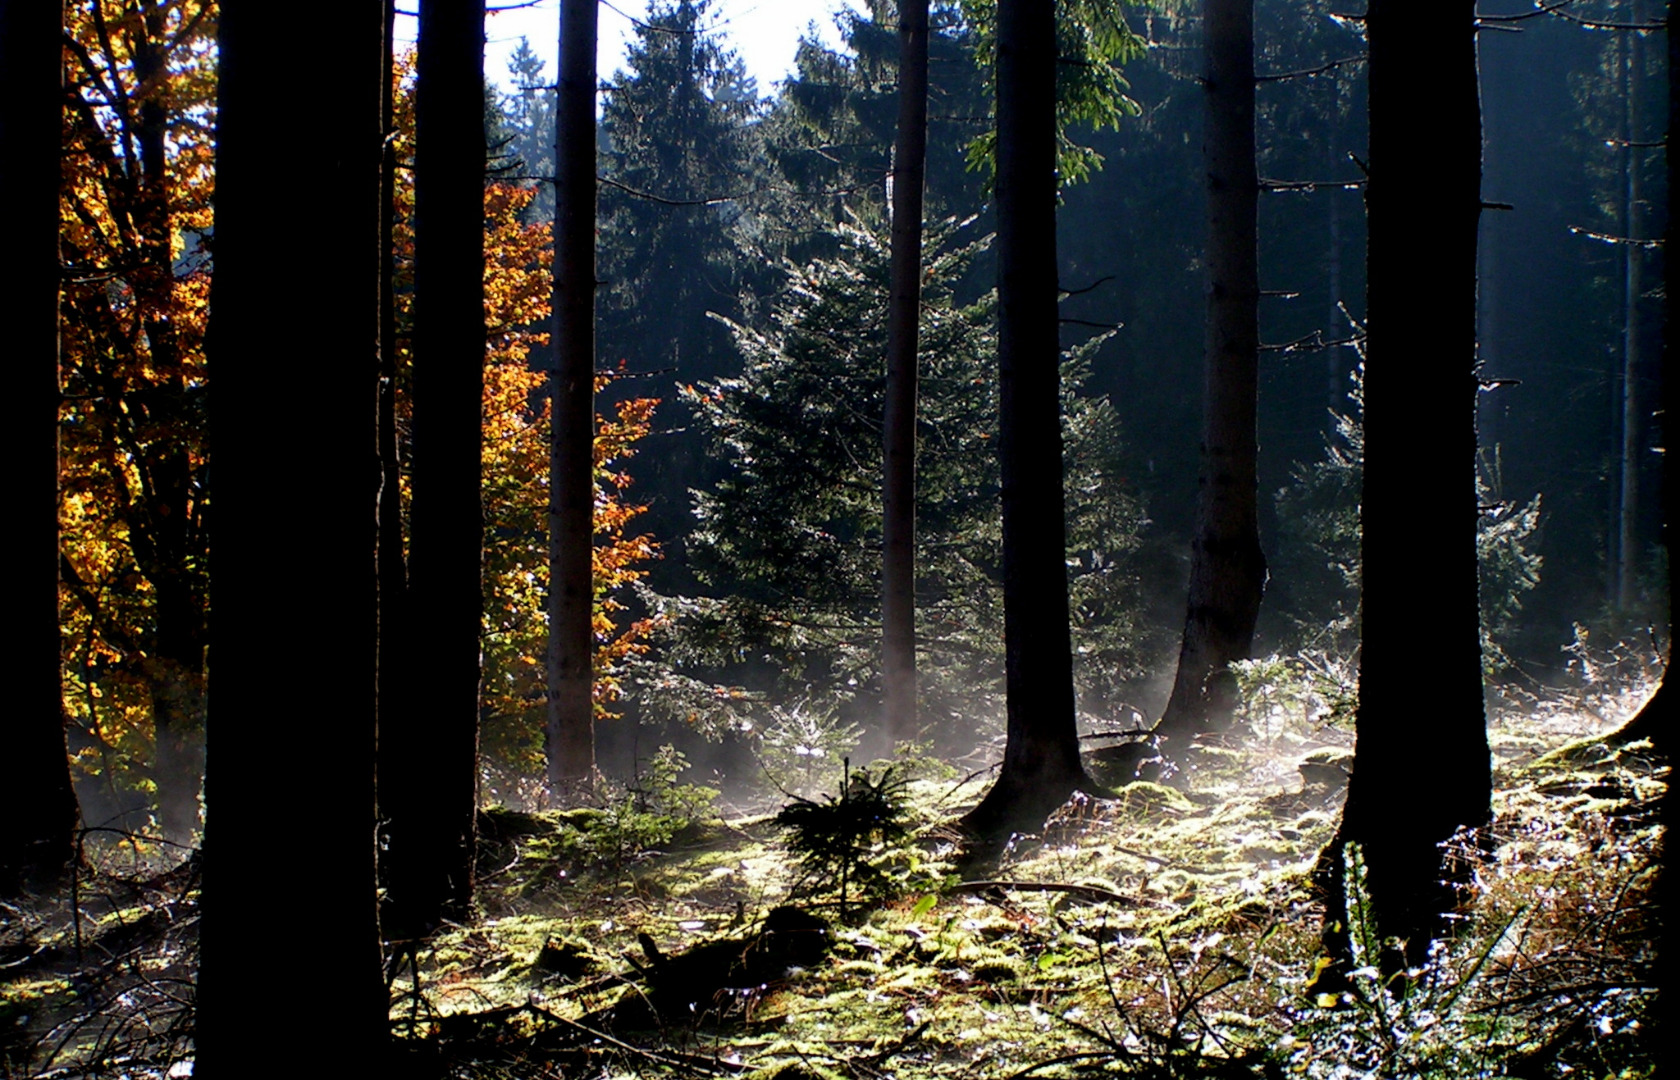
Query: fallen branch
669	1059
1093	892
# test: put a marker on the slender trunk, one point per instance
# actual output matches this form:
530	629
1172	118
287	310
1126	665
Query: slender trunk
294	430
1041	766
898	566
1335	375
394	700
429	794
571	708
37	804
1419	507
1227	567
164	544
1633	286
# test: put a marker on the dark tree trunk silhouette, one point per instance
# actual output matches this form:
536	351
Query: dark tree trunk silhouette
571	707
1419	506
1227	568
429	788
1041	765
293	353
1655	719
393	688
37	804
898	565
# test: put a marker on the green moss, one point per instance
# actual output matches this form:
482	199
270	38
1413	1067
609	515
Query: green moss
999	969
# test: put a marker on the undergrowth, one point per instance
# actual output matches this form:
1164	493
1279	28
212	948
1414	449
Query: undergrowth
1166	933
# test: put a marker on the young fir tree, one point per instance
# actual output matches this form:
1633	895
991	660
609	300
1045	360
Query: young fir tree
798	439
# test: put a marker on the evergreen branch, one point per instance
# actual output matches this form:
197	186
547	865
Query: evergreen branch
1308	73
1608	238
1268	184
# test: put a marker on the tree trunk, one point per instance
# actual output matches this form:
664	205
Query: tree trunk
1419	505
164	545
571	707
1629	407
37	803
429	793
1227	567
393	692
1655	720
1041	766
293	341
898	565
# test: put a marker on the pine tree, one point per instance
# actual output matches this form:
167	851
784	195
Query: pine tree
679	157
898	430
528	110
37	805
294	427
429	755
1419	504
571	590
797	438
1227	567
1041	765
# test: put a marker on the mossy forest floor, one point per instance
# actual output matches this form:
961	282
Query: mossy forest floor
1185	949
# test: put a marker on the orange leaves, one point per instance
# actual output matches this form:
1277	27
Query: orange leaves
517	295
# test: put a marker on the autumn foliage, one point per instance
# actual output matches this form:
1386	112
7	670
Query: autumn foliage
517	291
135	222
137	245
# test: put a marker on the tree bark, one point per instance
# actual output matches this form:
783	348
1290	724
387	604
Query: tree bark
38	814
429	792
1628	406
898	564
393	691
571	707
1227	567
1041	765
1419	506
293	351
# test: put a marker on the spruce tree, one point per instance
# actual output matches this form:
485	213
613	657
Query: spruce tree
678	157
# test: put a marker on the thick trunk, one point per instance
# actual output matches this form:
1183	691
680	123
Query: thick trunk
428	794
1419	507
898	567
37	805
1227	568
571	708
295	607
1041	766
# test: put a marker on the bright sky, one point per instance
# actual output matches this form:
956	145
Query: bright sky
764	32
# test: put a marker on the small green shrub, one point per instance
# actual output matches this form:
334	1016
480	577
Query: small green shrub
802	743
639	816
840	841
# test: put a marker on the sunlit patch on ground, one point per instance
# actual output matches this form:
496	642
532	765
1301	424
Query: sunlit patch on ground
1169	931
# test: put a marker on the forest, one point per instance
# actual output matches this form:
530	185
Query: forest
913	581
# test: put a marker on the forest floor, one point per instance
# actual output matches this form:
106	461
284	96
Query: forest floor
1169	932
